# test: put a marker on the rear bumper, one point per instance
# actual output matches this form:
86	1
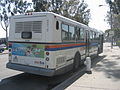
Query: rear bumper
29	69
38	70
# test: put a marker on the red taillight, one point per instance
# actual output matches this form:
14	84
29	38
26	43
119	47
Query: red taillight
10	44
47	53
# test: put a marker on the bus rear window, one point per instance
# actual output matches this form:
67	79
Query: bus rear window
26	35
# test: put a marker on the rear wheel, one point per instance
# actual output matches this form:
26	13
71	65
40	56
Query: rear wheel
76	63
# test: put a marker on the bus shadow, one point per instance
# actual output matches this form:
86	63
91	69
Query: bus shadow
24	81
77	75
27	81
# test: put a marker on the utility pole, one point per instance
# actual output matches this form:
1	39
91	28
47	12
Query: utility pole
111	23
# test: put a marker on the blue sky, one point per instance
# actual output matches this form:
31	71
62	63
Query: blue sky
98	15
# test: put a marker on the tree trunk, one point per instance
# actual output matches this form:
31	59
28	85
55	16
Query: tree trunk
6	38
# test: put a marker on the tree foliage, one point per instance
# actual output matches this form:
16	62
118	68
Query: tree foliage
11	7
115	9
73	9
114	5
115	12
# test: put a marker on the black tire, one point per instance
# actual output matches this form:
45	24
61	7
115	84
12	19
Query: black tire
76	62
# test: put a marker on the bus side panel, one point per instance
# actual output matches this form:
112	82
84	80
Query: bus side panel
52	34
12	29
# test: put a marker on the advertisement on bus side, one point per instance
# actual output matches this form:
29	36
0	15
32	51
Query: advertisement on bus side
29	50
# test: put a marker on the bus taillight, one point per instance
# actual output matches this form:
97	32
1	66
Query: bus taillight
47	58
47	53
10	45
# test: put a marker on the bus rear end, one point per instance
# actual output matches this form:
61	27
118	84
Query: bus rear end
27	45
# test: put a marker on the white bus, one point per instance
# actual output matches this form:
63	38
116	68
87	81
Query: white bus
48	44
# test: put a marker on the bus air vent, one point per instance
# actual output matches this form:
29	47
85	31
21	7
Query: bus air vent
28	26
60	60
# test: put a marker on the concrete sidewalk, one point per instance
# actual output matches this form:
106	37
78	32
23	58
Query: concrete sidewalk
105	74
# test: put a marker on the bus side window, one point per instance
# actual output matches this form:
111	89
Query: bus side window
78	33
94	35
57	25
97	36
82	34
71	33
65	32
91	35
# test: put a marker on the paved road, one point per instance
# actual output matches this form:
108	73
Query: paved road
4	72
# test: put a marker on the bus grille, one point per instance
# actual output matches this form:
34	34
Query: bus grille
28	26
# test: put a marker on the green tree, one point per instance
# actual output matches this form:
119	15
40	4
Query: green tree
11	7
115	12
73	9
82	14
40	5
115	6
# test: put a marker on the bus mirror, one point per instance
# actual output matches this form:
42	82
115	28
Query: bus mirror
26	35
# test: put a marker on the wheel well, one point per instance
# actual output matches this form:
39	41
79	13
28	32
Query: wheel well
77	53
77	60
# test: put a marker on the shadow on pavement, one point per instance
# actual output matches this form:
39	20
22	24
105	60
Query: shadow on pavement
27	81
77	75
23	81
110	68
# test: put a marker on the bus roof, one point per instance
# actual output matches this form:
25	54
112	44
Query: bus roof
59	16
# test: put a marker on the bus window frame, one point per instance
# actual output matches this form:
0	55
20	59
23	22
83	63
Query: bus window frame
68	32
83	34
63	40
72	40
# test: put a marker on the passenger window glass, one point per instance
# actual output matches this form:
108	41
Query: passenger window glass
91	35
95	35
65	32
78	33
71	33
82	34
